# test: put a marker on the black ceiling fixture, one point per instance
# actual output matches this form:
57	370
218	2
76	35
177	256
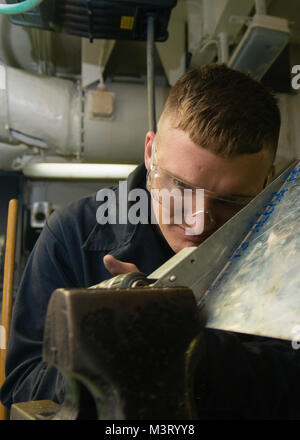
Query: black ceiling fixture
94	19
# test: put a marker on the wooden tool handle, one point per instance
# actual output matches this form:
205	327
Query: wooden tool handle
8	286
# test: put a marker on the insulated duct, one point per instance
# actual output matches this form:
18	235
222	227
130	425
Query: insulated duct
54	116
40	111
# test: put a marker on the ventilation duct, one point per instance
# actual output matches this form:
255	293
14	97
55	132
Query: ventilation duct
54	116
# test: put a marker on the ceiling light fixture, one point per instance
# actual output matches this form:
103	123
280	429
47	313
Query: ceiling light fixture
86	171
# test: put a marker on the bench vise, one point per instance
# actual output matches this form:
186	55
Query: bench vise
124	353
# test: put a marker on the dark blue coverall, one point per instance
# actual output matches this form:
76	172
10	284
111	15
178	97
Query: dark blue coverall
244	376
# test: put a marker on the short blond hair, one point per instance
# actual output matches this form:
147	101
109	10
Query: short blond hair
225	111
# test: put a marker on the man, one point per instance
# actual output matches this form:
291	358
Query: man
218	132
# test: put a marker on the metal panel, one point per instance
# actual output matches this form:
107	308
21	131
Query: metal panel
235	262
258	290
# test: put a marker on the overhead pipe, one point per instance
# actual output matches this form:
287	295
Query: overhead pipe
150	74
223	48
260	7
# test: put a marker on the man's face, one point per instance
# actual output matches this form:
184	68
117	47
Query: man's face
244	175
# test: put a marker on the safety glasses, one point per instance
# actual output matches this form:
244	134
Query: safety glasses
159	179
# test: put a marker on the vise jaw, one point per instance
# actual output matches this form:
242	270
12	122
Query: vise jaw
124	353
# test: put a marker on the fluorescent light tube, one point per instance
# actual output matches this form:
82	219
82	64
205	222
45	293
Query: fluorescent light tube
77	170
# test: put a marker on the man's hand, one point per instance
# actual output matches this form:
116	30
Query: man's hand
116	267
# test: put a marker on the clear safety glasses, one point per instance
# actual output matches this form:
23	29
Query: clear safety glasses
160	183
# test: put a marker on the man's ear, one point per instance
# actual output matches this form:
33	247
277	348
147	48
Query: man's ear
148	148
